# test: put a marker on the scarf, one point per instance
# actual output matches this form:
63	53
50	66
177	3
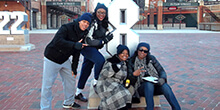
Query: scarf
150	70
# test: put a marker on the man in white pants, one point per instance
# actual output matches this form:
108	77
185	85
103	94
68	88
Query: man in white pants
66	43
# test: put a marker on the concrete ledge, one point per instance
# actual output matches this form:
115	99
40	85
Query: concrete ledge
94	100
14	39
11	48
209	26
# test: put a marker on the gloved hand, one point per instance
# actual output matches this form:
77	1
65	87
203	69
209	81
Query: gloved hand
161	81
108	37
78	46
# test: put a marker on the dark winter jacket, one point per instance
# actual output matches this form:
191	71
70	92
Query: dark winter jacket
151	58
96	35
62	45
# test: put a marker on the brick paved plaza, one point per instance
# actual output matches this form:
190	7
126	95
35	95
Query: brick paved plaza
191	60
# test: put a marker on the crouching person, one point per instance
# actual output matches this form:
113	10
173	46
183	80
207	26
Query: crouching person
110	85
149	78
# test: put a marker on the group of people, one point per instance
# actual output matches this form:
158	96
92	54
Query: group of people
86	35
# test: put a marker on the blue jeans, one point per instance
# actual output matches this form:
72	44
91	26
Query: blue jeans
147	89
91	57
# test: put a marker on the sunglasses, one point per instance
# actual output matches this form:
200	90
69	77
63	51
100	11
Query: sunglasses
142	50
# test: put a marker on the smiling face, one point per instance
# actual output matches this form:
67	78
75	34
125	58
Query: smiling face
124	55
101	13
142	52
83	25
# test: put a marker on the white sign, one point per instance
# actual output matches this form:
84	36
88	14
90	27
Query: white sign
13	20
180	17
123	14
10	38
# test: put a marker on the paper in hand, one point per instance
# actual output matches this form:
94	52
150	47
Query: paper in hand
151	79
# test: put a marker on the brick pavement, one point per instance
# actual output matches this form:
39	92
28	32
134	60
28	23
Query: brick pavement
191	60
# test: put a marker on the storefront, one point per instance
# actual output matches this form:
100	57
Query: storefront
61	12
180	15
45	14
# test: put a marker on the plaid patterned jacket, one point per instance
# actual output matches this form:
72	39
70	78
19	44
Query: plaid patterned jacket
110	86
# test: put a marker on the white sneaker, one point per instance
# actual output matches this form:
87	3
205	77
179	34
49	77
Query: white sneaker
94	82
73	106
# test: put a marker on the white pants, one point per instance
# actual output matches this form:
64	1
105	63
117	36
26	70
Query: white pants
50	72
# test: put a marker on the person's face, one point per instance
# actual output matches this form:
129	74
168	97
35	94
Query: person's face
124	55
101	13
142	52
83	25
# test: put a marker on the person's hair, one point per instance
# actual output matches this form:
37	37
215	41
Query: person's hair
104	21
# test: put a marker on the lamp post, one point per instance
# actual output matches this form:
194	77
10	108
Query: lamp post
25	12
180	20
31	12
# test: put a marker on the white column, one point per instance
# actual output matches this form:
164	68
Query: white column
38	20
54	23
48	20
59	21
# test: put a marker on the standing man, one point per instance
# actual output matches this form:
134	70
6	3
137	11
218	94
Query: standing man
66	42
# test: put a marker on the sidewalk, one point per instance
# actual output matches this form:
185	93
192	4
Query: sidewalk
191	59
138	31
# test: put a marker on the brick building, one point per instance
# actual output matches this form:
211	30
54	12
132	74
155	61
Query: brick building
46	14
179	14
51	14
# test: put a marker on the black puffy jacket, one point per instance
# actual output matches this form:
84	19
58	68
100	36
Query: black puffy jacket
96	35
156	64
62	45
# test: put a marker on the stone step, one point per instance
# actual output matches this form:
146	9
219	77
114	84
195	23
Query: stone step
94	100
16	48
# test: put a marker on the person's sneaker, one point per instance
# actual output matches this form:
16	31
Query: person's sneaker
94	82
81	97
73	106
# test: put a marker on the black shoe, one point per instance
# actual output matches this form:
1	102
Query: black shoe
128	105
81	97
72	106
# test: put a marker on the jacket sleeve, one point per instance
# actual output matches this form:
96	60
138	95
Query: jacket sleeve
159	68
107	70
60	39
75	62
89	39
130	76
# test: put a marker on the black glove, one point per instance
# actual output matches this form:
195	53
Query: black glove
107	38
78	46
161	81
